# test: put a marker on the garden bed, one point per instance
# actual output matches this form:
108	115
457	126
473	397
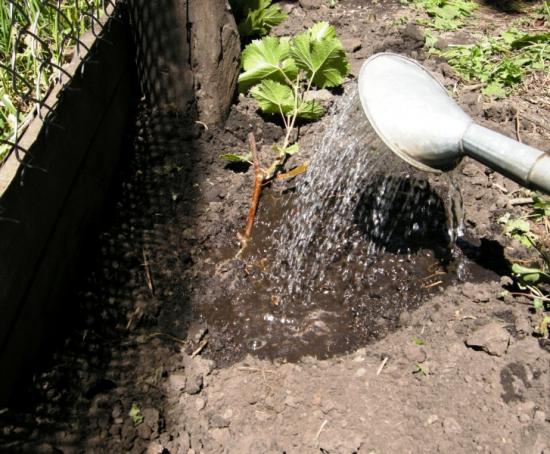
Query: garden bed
162	354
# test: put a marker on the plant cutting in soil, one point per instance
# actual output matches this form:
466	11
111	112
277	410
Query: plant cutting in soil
280	73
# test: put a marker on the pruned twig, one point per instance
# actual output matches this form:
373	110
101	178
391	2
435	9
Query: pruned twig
258	181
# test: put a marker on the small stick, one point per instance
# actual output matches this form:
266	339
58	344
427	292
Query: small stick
255	369
520	201
473	87
437	273
258	180
148	277
517	127
321	429
200	348
165	335
432	285
382	366
501	188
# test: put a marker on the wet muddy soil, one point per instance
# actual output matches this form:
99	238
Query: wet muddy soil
167	322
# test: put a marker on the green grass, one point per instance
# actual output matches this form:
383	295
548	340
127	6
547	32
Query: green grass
444	14
30	55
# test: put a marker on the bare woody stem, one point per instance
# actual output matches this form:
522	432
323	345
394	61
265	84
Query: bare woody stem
259	177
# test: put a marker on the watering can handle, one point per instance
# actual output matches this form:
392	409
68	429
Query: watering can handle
524	164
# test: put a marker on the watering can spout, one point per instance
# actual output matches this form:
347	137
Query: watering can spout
416	118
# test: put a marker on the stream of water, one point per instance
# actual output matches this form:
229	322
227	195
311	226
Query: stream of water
357	201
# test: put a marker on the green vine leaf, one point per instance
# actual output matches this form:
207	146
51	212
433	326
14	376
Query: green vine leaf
320	54
267	58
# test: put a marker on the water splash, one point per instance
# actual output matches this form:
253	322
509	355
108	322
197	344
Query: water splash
357	200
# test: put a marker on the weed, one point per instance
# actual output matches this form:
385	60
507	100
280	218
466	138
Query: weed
420	369
500	62
534	279
444	14
279	73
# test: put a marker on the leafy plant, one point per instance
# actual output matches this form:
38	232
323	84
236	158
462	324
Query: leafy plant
135	414
445	14
535	278
420	369
500	62
257	17
518	229
279	73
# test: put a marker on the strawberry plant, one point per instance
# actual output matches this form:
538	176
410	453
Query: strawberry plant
279	73
256	17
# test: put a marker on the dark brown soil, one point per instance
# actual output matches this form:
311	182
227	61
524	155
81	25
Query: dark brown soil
452	368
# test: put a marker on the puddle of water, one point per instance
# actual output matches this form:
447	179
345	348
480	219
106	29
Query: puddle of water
364	238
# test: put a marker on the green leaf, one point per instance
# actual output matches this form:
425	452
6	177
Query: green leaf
529	275
418	341
311	110
494	89
541	207
518	226
321	56
542	328
267	58
538	305
292	149
260	18
430	40
234	157
135	414
528	39
420	369
274	97
520	230
322	30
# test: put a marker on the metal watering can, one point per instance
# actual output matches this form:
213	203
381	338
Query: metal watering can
415	117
